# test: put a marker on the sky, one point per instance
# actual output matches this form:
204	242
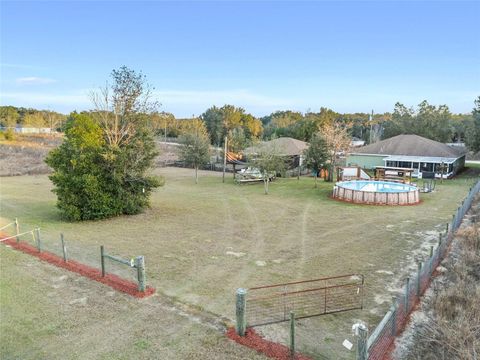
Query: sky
260	55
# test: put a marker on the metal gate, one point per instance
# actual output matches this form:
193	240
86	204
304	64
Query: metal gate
273	303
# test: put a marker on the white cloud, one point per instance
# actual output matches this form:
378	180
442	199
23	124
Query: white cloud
34	80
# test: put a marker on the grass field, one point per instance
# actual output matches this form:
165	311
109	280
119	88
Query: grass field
203	241
48	313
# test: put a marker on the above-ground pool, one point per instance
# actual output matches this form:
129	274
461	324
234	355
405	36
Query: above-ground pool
376	192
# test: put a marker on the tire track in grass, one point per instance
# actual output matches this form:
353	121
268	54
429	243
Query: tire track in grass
304	237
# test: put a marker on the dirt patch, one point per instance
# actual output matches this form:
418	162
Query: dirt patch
26	154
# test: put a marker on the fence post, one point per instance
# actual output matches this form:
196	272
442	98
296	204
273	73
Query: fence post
431	260
64	248
407	295
292	334
439	240
17	229
419	274
240	309
141	273
362	350
394	317
39	241
446	230
102	260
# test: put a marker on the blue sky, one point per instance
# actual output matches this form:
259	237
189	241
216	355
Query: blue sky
263	56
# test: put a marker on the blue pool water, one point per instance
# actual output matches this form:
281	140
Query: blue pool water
376	186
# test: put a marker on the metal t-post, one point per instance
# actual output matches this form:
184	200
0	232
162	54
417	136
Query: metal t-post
102	259
17	229
419	274
64	247
292	334
39	240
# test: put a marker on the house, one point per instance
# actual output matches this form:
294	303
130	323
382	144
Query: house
33	130
290	148
411	152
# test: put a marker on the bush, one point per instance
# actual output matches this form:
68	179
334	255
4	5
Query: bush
94	180
8	134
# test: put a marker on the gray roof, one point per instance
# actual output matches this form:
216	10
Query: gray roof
410	145
285	146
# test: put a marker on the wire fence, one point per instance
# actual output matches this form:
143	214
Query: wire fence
382	338
43	242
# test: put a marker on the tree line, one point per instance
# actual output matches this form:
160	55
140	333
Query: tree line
11	117
239	127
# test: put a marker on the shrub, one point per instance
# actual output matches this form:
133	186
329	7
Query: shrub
94	180
9	134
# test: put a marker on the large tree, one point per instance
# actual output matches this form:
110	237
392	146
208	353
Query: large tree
101	168
34	120
9	116
473	134
123	104
432	122
338	141
53	119
213	119
93	180
316	155
195	150
220	122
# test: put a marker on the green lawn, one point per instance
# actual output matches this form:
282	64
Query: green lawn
48	313
203	241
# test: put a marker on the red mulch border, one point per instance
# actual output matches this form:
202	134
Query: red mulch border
112	280
268	348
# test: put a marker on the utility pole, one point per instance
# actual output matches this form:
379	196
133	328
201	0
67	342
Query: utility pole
370	120
165	130
224	159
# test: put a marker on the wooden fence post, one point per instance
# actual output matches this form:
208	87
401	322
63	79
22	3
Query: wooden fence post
292	334
141	273
64	247
102	260
240	310
362	349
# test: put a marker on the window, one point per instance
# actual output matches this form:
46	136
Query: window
426	167
405	164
